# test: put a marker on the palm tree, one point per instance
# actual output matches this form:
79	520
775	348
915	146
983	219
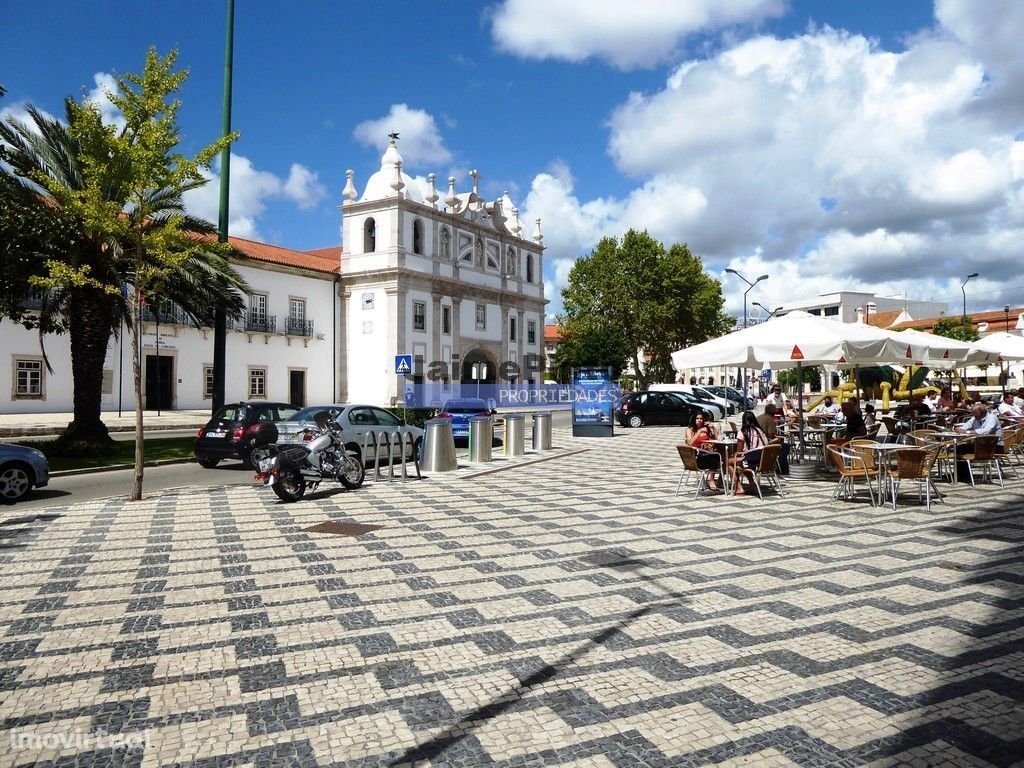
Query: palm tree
65	171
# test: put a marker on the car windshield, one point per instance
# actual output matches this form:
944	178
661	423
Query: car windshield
465	406
231	413
307	414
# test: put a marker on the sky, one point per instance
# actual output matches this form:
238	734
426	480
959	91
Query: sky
870	145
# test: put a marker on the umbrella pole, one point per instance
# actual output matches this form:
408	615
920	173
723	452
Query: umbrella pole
800	400
856	380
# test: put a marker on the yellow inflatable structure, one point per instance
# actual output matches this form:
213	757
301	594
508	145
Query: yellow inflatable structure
890	392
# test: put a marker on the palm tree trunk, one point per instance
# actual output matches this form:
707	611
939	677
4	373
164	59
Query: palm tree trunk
90	315
136	494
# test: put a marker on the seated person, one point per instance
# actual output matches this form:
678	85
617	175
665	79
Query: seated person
748	451
1018	399
869	416
855	425
983	422
790	413
919	406
943	403
775	397
828	407
696	435
1008	409
771	428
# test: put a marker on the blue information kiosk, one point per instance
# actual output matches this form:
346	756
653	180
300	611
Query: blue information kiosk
593	406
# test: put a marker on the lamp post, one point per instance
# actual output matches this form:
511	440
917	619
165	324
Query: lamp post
1004	375
966	322
771	312
749	289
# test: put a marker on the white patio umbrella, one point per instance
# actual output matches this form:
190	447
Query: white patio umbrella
797	339
1005	346
942	352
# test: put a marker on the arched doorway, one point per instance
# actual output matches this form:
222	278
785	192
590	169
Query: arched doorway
478	357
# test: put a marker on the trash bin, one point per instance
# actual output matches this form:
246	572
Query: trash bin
438	446
515	428
542	431
481	437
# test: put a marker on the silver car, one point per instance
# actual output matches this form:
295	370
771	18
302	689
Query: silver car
21	469
356	421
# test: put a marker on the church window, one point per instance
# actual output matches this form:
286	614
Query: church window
369	236
529	267
419	322
417	236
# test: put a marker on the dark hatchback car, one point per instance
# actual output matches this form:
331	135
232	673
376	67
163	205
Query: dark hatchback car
642	408
237	429
460	411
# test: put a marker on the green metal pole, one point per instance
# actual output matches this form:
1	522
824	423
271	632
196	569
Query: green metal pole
220	330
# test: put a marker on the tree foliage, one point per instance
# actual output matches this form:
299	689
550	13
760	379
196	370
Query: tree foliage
100	207
789	378
637	298
956	328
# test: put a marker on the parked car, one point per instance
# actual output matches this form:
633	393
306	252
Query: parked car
21	469
356	421
718	407
734	396
460	411
643	408
237	429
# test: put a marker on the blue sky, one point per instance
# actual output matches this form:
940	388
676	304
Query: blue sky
866	145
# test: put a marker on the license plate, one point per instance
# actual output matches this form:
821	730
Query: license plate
215	434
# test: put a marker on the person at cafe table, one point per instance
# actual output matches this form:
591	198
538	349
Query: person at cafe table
983	422
770	427
750	441
854	419
696	435
828	407
1008	409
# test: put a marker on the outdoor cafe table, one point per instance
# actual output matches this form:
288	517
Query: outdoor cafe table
957	438
726	443
881	460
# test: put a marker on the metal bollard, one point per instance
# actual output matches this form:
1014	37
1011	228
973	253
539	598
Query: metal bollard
481	436
542	431
439	446
515	426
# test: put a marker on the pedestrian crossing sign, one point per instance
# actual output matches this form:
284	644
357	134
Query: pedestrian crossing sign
403	364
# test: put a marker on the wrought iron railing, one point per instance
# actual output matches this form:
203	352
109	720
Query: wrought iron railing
297	327
257	322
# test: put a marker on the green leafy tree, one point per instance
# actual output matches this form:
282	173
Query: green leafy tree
648	300
956	328
118	194
789	378
586	344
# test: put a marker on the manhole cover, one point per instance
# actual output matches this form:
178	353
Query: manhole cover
342	529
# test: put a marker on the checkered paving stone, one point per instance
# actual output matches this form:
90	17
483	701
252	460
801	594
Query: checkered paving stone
566	612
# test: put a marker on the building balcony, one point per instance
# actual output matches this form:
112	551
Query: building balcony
298	327
260	323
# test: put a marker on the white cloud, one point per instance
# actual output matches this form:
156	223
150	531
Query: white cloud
251	191
420	141
822	160
100	96
631	35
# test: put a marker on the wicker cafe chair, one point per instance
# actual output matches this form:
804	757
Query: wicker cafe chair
893	431
767	467
873	431
1011	443
851	468
984	455
688	455
864	448
914	464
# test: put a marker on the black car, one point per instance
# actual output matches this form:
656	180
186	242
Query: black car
238	428
642	408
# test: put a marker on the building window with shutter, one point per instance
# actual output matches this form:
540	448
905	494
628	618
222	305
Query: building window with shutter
28	378
529	267
512	329
481	317
207	382
531	332
446	320
419	319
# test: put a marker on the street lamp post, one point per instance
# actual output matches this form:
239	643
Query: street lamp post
1004	375
966	322
749	289
771	312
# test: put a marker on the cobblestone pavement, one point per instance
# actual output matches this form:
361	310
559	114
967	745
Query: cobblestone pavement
569	612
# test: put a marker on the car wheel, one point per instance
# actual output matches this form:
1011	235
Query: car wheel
208	463
636	421
251	455
15	482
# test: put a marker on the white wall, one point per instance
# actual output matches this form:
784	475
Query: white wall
191	349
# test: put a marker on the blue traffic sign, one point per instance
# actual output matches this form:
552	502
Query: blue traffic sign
403	364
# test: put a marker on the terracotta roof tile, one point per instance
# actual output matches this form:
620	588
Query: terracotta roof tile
325	260
552	332
883	319
996	319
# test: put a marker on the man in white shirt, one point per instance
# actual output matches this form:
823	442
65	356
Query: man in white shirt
984	422
775	398
1007	408
1018	399
828	407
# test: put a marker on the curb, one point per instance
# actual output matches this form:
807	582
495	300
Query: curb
55	432
115	467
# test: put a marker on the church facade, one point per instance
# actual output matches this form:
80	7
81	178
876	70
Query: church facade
453	282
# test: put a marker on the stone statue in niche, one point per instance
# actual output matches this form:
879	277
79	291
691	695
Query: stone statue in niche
446	246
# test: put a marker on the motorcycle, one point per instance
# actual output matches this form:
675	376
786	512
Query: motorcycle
293	468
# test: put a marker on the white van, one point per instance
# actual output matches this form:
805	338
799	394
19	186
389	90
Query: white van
719	406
